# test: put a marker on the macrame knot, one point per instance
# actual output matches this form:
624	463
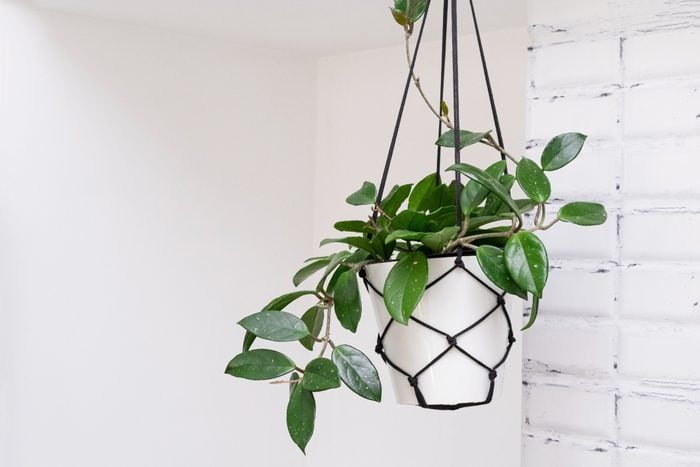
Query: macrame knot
492	375
362	273
511	339
451	340
412	381
459	262
379	348
501	300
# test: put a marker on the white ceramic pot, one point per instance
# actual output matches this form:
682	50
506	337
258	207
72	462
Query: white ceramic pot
452	304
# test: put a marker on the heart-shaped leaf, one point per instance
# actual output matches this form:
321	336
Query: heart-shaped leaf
494	266
278	326
320	374
561	150
301	415
357	372
533	181
582	213
367	194
346	297
527	262
260	364
405	284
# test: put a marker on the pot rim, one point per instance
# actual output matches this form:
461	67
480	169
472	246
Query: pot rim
440	255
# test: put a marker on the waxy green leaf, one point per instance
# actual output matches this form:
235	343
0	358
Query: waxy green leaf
404	235
533	313
582	213
493	264
395	199
420	191
493	203
405	284
346	297
478	175
309	270
533	180
278	326
437	241
474	193
313	319
357	372
367	194
561	150
406	12
301	415
357	242
409	220
527	262
466	138
320	374
277	304
351	226
260	364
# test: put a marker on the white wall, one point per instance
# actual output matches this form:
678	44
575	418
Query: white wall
611	369
358	97
151	186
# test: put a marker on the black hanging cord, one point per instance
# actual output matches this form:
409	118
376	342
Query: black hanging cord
492	101
443	57
455	122
387	164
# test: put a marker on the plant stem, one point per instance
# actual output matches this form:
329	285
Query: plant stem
327	337
489	141
286	381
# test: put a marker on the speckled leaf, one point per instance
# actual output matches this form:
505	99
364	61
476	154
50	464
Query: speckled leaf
301	415
492	263
466	138
527	262
313	319
404	285
357	372
278	326
533	180
561	150
278	303
320	374
346	297
260	364
582	213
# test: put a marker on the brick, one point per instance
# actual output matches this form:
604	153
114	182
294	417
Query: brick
568	182
570	347
660	352
571	410
566	240
656	421
556	453
661	294
569	64
559	12
664	163
661	111
651	458
671	230
578	292
649	56
595	117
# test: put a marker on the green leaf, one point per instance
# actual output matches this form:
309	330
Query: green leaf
313	319
561	150
404	235
357	372
582	213
260	364
301	415
278	326
351	226
420	191
395	199
533	313
474	193
409	220
293	377
527	262
330	288
479	221
399	17
466	138
357	242
493	202
346	298
320	374
444	110
412	10
494	266
309	270
478	175
438	241
439	196
276	304
405	285
533	181
367	194
336	259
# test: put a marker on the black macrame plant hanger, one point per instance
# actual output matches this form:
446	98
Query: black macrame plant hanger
499	300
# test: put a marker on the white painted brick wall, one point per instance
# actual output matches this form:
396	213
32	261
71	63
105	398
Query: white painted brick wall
612	369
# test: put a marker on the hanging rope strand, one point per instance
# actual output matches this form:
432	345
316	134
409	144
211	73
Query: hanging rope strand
455	120
392	145
484	66
443	60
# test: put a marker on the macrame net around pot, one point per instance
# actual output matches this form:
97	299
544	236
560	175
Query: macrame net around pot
449	355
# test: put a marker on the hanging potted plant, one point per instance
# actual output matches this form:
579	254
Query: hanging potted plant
444	263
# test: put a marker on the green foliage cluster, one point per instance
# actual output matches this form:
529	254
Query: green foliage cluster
410	224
